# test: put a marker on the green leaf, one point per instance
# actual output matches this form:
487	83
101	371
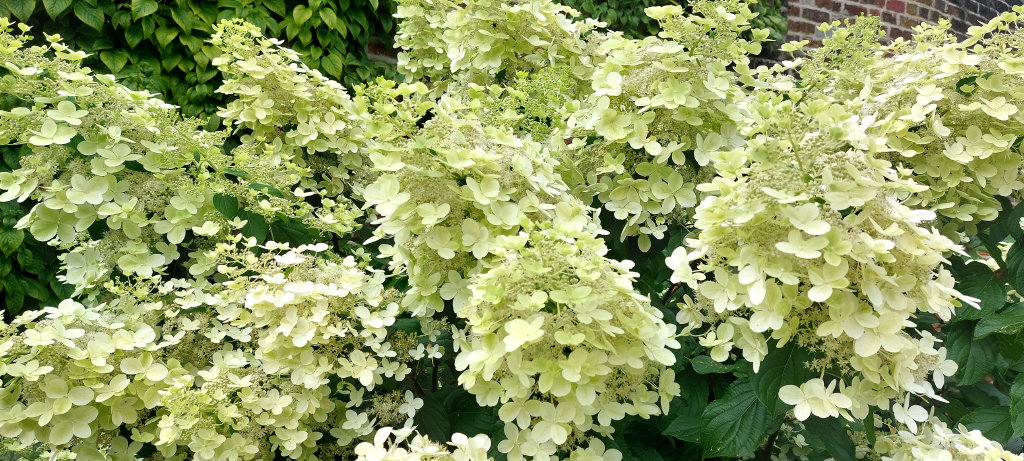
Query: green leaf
55	7
164	35
332	65
114	60
978	281
183	18
994	422
22	8
781	367
301	13
1015	265
133	34
89	15
735	424
975	357
277	6
226	205
469	418
1007	322
329	18
15	292
267	189
1017	406
686	409
256	226
831	436
433	419
143	8
292	232
10	240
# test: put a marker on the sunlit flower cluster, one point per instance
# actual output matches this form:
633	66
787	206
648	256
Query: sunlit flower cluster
806	238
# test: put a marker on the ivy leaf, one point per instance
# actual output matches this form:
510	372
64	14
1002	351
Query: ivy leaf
782	366
143	8
183	18
302	13
1007	322
114	60
994	422
332	65
735	424
22	8
55	7
10	240
329	18
975	357
164	35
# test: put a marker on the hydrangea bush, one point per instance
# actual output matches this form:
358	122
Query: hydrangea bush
550	241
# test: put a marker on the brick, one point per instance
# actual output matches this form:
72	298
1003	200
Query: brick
897	6
912	9
817	16
854	10
827	4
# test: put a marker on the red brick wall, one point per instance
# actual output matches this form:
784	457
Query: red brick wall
898	16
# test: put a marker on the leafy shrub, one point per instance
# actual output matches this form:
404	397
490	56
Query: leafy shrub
788	266
161	46
629	17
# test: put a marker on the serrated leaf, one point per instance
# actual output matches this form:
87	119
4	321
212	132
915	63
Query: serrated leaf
10	240
782	366
55	7
89	15
292	232
22	9
994	422
143	8
1017	406
114	60
830	436
1015	265
226	205
977	280
686	410
735	424
256	226
975	357
1007	322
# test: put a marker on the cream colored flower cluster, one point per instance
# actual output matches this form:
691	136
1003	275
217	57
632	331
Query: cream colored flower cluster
557	335
274	358
479	217
103	155
947	109
805	238
656	109
938	441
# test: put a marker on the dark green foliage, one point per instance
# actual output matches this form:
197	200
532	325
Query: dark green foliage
161	45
